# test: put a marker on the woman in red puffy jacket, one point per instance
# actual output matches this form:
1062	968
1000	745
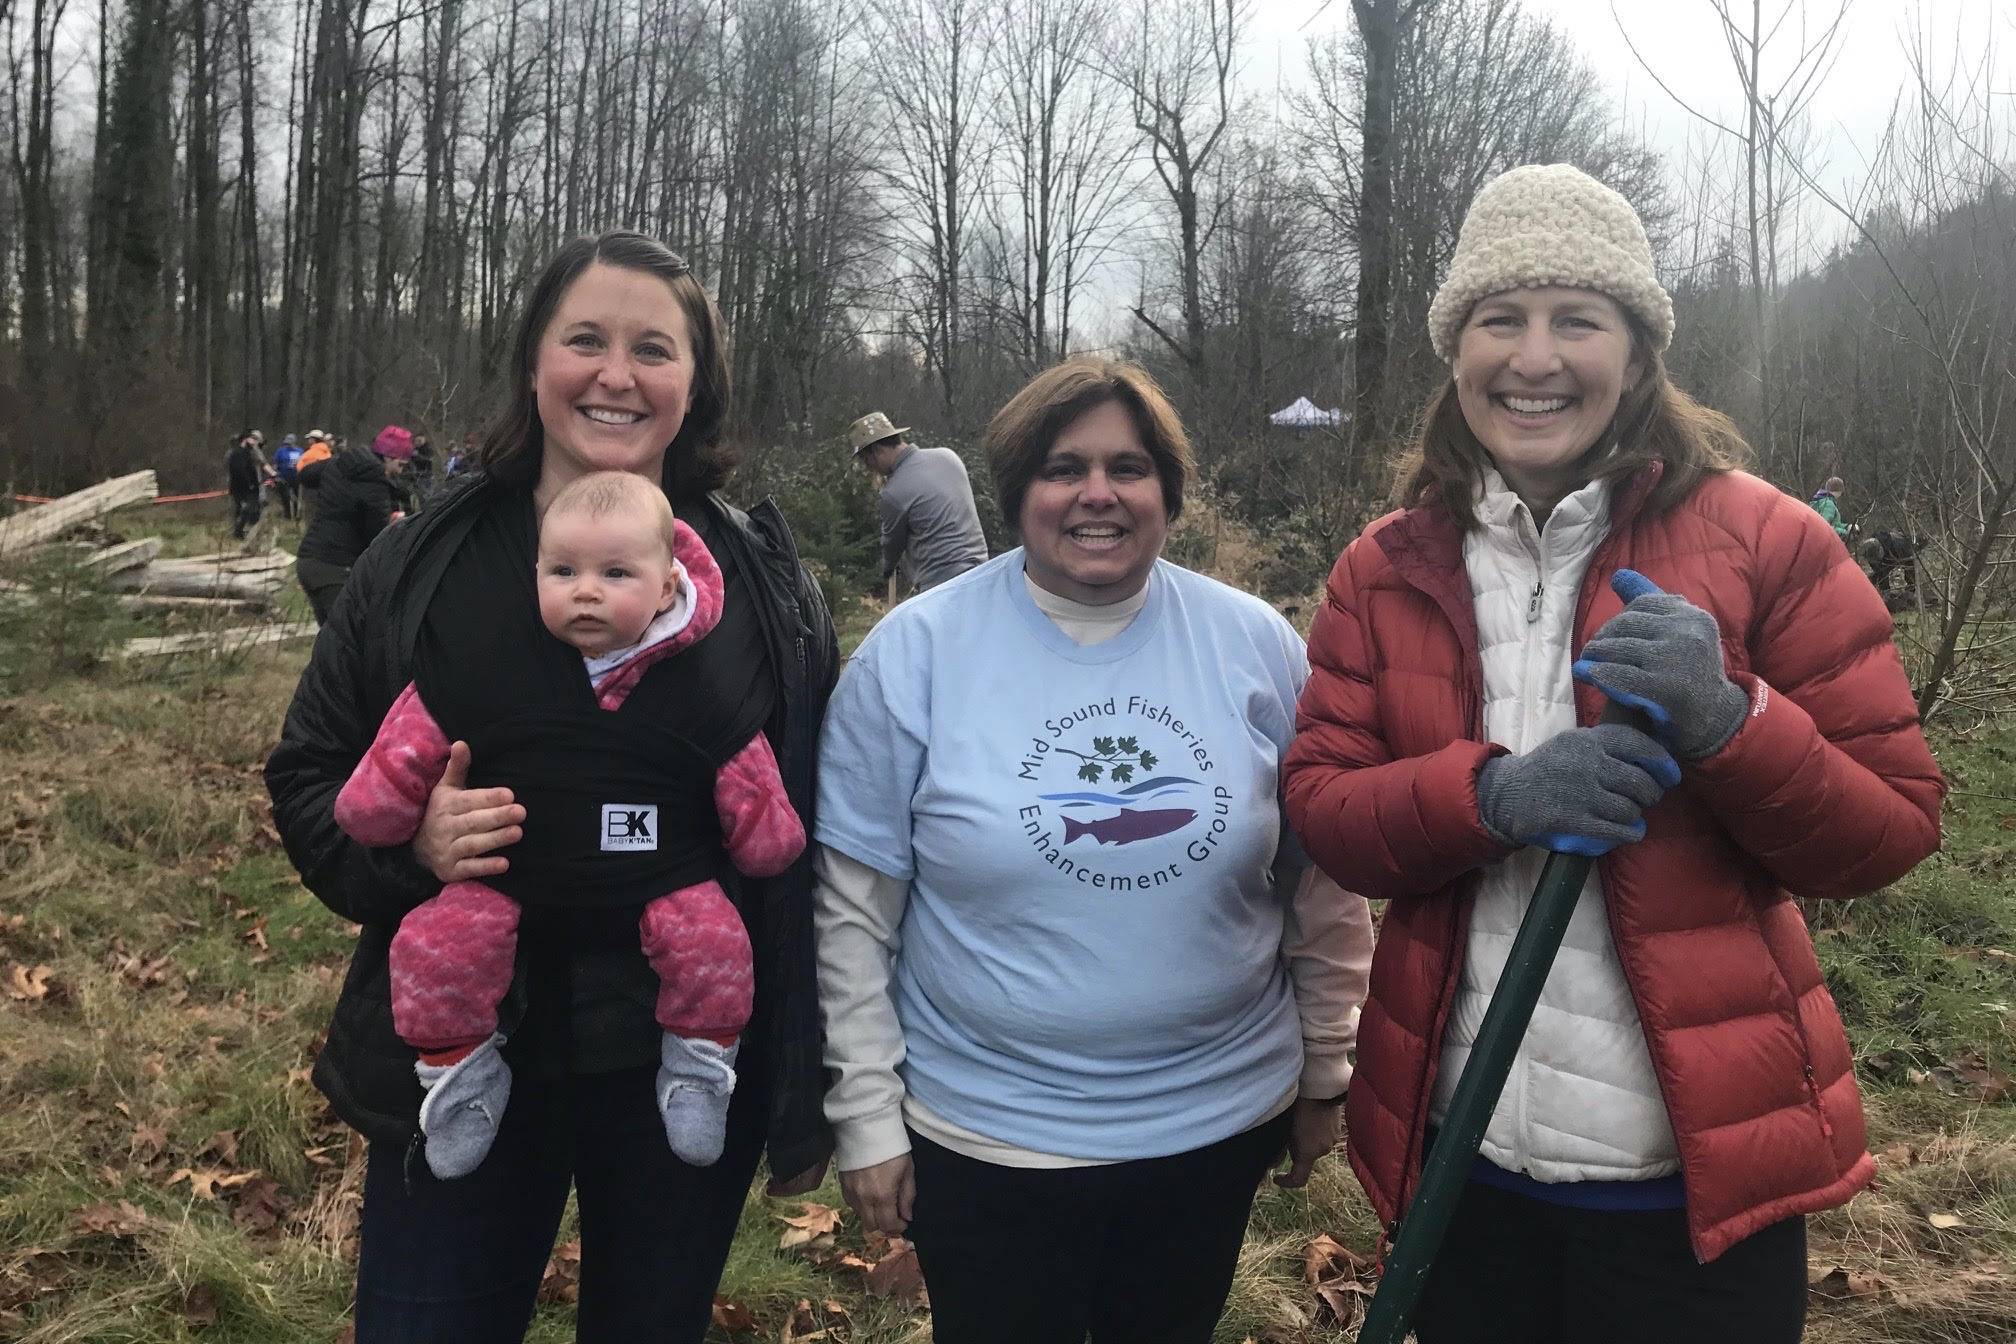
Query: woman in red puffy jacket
1574	529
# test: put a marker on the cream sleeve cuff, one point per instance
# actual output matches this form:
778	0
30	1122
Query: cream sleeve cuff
858	913
1326	940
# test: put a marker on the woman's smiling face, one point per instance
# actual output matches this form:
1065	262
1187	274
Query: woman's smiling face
613	376
1094	519
1539	373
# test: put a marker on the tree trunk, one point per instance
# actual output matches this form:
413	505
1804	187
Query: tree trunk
1380	23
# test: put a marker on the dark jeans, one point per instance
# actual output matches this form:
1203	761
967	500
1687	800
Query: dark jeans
322	582
1136	1253
245	512
459	1262
1515	1270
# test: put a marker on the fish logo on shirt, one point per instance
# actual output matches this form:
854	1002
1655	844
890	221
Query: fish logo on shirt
1132	820
1126	826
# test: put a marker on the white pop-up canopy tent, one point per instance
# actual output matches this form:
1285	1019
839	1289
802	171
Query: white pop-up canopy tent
1303	413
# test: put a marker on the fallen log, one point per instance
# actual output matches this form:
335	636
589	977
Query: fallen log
157	602
234	562
146	602
217	641
169	580
110	560
33	526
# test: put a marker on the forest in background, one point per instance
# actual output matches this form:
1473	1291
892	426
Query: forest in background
285	213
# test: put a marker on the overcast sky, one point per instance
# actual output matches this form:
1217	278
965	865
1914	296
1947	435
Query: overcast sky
1683	40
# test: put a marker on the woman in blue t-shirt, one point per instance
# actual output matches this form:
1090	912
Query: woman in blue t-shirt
1081	985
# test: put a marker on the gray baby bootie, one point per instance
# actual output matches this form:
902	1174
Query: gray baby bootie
463	1107
695	1078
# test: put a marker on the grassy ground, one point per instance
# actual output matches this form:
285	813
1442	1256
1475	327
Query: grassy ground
166	1171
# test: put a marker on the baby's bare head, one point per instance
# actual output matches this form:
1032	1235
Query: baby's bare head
606	561
602	493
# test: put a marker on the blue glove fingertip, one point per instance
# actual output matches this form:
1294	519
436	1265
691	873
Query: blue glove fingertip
1582	845
1663	769
1584	670
1630	585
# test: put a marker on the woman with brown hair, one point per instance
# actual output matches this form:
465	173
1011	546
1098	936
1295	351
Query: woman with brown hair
1081	985
620	364
1685	1093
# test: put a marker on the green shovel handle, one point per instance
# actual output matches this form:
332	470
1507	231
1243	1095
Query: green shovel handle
1447	1170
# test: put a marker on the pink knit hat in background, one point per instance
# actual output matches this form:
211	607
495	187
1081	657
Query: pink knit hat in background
392	441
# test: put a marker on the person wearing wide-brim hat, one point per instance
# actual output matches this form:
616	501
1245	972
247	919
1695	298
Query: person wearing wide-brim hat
1574	532
929	522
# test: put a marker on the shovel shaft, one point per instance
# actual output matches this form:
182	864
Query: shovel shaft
1447	1170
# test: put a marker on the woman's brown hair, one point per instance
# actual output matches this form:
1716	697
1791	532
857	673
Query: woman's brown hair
696	461
1019	437
1655	421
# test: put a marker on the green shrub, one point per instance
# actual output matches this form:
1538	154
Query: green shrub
57	622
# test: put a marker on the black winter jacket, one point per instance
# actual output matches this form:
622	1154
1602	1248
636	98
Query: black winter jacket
351	504
241	470
363	659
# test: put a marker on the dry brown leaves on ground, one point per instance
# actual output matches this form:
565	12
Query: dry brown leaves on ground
887	1265
1342	1280
1968	1076
813	1227
562	1281
827	1321
31	984
118	1219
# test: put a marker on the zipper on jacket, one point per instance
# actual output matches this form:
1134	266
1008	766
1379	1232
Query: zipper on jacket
1806	1057
1813	1086
1533	602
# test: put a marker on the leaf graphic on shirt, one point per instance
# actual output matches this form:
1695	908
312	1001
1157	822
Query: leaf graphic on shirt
1091	771
1128	746
1147	758
1103	745
1123	774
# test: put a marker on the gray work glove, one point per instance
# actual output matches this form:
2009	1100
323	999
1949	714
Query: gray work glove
1584	791
1663	655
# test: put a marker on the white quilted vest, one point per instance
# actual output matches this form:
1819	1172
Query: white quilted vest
1582	1102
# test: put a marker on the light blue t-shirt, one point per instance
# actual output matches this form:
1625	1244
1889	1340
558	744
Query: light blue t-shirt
1089	960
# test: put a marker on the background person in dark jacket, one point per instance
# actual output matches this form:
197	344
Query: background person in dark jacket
244	470
400	448
1893	554
353	504
620	363
423	465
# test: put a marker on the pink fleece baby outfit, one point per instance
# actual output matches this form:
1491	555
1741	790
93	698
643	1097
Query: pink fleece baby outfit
452	958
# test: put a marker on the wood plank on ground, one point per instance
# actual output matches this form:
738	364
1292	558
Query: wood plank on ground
32	526
158	602
258	577
233	562
218	641
118	559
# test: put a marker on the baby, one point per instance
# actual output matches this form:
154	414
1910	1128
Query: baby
627	585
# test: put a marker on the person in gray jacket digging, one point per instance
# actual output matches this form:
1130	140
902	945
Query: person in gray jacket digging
928	518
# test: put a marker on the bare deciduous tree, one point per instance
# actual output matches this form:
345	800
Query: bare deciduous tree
1178	62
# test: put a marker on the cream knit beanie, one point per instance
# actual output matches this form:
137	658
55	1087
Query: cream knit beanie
1549	224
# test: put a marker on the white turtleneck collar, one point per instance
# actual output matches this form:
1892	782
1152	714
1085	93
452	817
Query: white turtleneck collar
1085	624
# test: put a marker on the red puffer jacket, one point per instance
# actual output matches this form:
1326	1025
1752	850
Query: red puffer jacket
1828	790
